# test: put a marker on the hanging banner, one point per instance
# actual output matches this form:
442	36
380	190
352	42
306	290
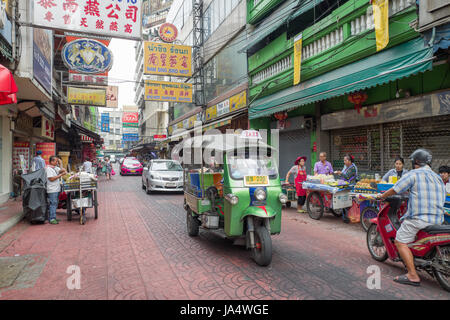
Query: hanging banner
48	149
85	96
120	19
98	80
130	119
297	58
43	57
168	91
47	128
130	137
167	59
381	21
112	96
87	56
105	122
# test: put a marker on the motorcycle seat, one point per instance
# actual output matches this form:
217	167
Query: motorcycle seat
437	228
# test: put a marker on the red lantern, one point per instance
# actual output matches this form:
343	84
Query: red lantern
358	98
280	116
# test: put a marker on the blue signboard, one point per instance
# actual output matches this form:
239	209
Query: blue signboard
130	137
43	57
87	56
105	122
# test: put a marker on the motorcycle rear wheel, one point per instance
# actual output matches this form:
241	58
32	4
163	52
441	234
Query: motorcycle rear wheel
443	279
375	244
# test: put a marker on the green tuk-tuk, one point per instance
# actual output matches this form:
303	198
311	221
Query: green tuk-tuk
233	189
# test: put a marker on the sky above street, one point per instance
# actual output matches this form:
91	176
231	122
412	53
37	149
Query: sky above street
123	71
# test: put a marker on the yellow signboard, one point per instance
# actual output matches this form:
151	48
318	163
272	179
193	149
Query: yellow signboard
85	96
381	20
211	113
168	91
297	58
238	101
167	59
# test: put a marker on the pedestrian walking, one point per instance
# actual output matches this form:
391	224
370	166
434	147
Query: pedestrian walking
87	166
299	171
54	173
108	166
38	162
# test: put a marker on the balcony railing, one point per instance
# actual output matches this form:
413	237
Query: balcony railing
273	70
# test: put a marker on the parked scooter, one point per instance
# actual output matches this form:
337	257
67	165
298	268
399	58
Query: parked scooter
431	250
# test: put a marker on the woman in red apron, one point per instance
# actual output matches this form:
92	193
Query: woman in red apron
301	177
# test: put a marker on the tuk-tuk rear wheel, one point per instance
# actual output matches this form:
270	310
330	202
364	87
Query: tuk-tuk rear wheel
192	224
262	253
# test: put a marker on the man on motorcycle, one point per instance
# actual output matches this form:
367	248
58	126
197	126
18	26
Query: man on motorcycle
425	208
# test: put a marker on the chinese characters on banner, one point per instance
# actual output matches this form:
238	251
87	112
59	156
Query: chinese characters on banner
114	18
21	156
167	59
84	96
88	79
167	91
48	149
47	128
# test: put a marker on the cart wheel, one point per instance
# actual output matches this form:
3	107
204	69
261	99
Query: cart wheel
367	214
69	207
288	204
315	206
96	204
337	212
262	253
192	223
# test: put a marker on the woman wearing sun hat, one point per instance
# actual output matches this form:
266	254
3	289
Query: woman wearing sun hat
299	171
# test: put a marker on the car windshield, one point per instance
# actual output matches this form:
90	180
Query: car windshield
130	162
262	166
166	166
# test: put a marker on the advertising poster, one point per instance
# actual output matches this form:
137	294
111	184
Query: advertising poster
120	19
112	96
48	149
167	91
43	57
21	156
130	119
167	59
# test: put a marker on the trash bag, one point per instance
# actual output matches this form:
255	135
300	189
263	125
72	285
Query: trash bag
35	196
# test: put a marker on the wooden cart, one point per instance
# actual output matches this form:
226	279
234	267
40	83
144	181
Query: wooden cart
80	196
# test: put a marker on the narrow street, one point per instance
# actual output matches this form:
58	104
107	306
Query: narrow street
139	249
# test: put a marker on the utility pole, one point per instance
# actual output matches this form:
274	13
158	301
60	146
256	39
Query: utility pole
197	53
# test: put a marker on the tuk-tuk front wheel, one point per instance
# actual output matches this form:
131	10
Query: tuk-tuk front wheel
262	253
192	224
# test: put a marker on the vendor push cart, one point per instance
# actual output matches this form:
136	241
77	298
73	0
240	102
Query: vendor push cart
289	190
320	197
80	196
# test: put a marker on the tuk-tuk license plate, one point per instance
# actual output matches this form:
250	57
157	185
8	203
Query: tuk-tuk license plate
256	180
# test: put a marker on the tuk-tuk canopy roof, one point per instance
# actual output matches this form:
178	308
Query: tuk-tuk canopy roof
225	143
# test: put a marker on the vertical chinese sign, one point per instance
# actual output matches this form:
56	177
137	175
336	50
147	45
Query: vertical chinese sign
120	19
167	59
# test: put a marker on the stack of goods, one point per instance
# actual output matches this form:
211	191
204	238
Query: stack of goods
366	186
76	177
320	179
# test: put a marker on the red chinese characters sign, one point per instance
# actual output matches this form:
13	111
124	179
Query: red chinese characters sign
48	149
48	128
114	18
167	59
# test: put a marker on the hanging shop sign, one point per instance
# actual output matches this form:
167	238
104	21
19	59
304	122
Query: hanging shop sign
167	59
130	137
120	19
47	128
21	156
234	103
159	137
86	96
112	96
130	119
381	20
168	32
48	149
105	122
43	57
87	56
88	79
297	57
168	91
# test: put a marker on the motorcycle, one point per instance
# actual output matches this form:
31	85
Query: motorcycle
431	249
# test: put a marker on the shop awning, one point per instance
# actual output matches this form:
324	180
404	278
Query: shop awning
440	37
8	88
85	138
82	131
398	62
270	24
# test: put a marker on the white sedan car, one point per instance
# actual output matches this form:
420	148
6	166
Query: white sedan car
162	175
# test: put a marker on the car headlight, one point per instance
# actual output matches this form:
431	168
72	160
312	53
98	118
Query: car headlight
155	177
283	198
233	199
260	194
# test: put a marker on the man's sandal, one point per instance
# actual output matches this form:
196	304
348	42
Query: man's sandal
404	280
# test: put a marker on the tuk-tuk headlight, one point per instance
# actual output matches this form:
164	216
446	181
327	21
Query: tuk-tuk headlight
283	198
260	194
233	199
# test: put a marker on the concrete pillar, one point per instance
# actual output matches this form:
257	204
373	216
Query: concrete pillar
6	157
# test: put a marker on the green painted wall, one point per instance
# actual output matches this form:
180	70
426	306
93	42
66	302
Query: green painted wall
261	10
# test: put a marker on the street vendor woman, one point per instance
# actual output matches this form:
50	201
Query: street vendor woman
398	171
299	171
350	174
323	166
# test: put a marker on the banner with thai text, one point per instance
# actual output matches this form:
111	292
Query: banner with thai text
85	96
167	59
168	91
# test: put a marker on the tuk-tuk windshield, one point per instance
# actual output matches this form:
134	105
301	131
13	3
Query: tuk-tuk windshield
261	166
